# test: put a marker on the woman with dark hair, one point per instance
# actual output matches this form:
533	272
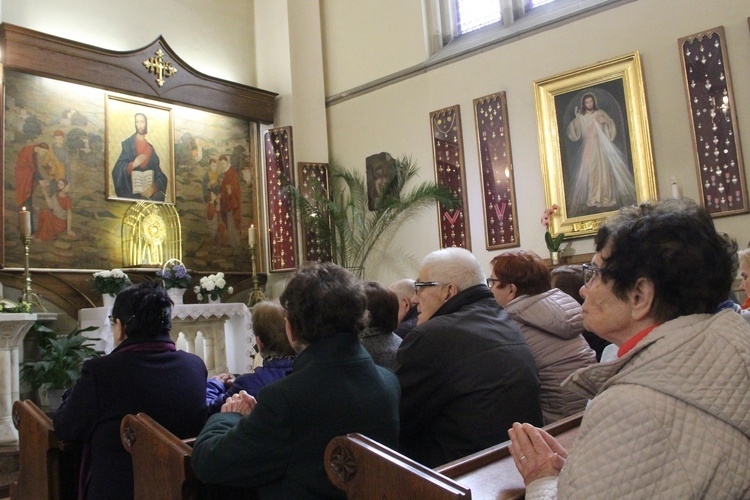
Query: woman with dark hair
551	323
669	416
144	373
382	315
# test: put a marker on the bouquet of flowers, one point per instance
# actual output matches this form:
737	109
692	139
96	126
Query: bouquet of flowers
212	287
553	244
110	282
174	275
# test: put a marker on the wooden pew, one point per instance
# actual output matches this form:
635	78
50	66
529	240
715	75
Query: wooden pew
48	467
161	461
365	469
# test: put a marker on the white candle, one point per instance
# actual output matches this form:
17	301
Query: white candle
251	236
675	189
24	222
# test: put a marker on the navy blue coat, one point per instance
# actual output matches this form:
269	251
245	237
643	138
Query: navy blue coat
150	377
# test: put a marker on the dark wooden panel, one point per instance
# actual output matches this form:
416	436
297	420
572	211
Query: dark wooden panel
55	57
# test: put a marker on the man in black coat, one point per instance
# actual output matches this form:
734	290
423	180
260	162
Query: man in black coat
466	372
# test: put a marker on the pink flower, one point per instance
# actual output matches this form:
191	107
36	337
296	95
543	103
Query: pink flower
547	214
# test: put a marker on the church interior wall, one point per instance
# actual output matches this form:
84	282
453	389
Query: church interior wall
395	118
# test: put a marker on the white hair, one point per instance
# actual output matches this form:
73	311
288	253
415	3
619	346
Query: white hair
744	256
453	265
404	289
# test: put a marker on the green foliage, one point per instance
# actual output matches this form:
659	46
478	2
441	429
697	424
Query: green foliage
60	360
343	222
553	244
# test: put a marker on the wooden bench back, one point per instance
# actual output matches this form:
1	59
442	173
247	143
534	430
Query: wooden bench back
161	461
365	469
48	467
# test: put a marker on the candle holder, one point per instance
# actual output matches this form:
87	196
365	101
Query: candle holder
29	295
256	294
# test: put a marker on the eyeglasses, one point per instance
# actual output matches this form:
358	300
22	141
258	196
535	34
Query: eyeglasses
112	320
491	281
419	285
589	273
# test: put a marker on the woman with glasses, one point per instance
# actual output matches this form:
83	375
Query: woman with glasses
144	373
551	323
669	416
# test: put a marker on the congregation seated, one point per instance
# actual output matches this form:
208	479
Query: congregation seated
551	322
382	318
274	348
277	443
407	311
144	373
668	418
569	279
466	372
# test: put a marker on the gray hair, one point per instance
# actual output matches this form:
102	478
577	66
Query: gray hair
453	265
404	289
744	256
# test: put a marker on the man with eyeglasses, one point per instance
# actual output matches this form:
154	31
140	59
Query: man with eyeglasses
669	416
465	369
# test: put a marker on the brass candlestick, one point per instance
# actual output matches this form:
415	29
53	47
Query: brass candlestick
29	295
256	294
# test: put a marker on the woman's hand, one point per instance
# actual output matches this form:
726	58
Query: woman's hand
242	403
535	452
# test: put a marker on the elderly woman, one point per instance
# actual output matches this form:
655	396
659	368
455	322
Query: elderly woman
278	356
551	323
669	418
145	373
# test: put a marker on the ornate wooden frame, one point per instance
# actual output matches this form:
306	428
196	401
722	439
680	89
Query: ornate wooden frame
713	122
40	54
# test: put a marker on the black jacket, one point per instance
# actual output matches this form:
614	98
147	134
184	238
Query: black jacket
466	375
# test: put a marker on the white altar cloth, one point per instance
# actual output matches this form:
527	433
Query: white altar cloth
196	328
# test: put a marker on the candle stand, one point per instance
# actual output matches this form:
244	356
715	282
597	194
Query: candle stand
29	295
256	294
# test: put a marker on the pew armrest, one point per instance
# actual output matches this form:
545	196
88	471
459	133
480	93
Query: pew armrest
48	467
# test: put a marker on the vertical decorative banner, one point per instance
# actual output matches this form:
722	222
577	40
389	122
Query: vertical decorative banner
313	186
496	164
282	235
716	141
448	153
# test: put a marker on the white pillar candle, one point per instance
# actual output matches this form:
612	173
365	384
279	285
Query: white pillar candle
251	236
24	222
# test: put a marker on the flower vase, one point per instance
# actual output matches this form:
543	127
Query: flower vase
108	300
176	294
554	257
214	301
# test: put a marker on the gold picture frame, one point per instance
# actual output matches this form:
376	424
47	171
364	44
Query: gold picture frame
156	178
586	176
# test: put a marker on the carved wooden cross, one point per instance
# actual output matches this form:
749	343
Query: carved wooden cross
162	69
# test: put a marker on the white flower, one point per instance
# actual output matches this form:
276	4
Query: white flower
200	296
209	285
220	283
220	275
117	273
197	289
230	290
105	274
203	280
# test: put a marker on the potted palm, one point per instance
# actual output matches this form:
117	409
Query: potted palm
344	222
59	363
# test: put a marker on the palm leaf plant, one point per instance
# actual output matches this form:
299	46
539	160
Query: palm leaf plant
341	221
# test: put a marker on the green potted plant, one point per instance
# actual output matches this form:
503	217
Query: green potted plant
59	363
344	223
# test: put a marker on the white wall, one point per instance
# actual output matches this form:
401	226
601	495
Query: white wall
215	38
396	118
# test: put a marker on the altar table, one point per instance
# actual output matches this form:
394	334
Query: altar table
221	334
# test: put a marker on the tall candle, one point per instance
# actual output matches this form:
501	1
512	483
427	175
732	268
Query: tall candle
24	222
251	236
675	189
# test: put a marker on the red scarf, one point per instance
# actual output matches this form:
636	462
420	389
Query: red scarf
633	341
